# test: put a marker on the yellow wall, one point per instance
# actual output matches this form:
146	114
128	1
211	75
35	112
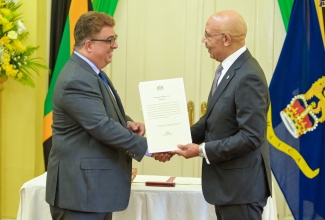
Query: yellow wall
22	116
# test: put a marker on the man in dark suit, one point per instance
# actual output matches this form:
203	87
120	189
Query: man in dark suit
89	168
231	136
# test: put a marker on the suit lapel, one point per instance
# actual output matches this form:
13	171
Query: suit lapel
117	104
115	100
221	87
226	80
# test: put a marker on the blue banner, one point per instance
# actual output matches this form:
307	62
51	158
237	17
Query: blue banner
296	129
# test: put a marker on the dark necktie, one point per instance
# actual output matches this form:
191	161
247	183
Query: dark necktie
101	75
216	78
119	107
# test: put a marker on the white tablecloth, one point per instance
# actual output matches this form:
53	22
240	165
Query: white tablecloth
183	202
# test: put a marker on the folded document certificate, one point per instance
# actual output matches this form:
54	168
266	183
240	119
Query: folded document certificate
165	114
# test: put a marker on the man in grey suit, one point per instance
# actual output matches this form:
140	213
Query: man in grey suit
231	136
89	168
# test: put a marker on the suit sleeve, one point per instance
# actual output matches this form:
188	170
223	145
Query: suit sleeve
83	101
198	131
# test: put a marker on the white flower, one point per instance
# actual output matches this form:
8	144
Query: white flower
9	1
12	35
21	27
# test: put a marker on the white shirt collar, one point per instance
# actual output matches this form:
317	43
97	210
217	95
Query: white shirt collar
226	64
91	64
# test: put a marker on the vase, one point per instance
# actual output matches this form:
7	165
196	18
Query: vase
2	81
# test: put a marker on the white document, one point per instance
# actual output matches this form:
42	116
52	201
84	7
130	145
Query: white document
165	114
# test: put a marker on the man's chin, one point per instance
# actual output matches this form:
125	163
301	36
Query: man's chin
211	55
109	60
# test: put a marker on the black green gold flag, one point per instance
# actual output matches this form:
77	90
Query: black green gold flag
77	7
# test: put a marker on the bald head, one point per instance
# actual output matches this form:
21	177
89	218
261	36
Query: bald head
225	33
229	22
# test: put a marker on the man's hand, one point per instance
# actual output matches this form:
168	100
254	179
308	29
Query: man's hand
188	150
136	127
163	156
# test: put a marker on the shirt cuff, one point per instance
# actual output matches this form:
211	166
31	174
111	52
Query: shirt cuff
202	148
148	154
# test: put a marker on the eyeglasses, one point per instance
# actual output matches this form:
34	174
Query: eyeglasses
110	40
210	36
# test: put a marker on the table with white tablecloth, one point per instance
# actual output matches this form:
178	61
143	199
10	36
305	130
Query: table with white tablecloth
185	201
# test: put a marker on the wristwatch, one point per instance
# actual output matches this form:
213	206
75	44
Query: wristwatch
201	150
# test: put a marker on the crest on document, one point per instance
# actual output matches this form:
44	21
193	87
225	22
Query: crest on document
160	87
305	111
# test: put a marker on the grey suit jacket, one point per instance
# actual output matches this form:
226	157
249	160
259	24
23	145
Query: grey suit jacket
234	132
90	163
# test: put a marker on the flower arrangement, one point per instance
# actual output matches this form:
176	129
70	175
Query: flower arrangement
15	58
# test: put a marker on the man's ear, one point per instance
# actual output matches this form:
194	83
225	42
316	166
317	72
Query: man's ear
227	39
88	46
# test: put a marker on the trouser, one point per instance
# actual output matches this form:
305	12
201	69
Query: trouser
66	214
251	211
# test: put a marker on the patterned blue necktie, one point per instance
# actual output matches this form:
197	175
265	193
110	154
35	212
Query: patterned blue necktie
101	75
120	111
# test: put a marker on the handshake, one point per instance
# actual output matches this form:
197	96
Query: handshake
187	151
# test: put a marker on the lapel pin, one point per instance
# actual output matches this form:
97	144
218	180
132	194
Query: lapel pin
228	77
